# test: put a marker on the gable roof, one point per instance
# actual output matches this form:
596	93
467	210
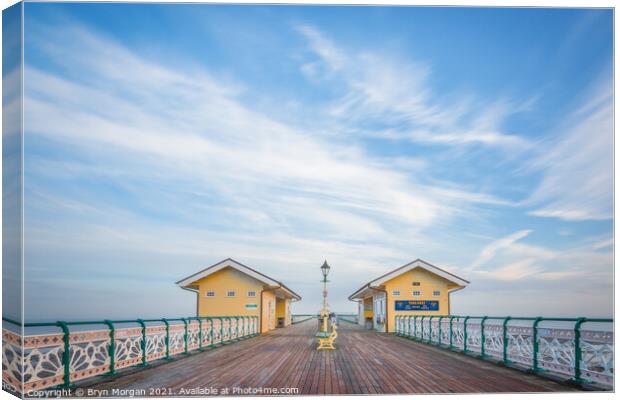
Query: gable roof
229	262
418	263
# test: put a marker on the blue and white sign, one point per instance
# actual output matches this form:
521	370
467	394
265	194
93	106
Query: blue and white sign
416	305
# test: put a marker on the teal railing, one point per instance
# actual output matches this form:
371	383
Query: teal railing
69	354
350	318
298	318
559	346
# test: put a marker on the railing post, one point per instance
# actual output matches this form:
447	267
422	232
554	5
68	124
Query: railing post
578	324
165	321
430	329
415	326
482	336
535	344
409	326
505	339
465	334
66	354
451	331
199	333
141	322
185	334
221	329
112	348
421	331
211	336
439	331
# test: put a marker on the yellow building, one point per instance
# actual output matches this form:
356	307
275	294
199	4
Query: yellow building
230	288
417	288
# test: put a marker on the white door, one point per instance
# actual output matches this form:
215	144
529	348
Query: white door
379	312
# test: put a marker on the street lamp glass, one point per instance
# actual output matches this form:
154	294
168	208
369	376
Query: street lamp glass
325	268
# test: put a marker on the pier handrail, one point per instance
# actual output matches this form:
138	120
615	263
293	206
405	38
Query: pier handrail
582	356
109	349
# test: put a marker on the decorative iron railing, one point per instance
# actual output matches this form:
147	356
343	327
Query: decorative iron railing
350	318
38	361
558	346
298	318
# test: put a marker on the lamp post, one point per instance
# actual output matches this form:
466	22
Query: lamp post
325	312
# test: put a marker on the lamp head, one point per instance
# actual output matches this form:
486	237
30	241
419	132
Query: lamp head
325	268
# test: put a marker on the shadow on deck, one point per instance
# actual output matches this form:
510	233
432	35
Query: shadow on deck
285	362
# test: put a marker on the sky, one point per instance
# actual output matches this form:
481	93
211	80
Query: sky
161	139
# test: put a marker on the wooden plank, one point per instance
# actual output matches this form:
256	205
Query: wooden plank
364	362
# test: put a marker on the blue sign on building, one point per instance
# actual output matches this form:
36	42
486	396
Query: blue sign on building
416	305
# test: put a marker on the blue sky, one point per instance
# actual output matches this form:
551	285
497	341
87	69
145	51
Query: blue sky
163	138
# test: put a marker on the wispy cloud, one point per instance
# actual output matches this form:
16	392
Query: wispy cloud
509	259
578	164
489	251
394	95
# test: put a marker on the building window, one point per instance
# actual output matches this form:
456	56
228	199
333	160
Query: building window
210	293
436	293
395	292
416	283
251	293
416	293
230	293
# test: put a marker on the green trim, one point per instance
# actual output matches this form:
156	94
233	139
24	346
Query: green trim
451	331
430	329
199	333
66	354
165	321
221	330
505	339
535	344
112	348
577	329
143	345
482	337
211	338
465	334
439	333
185	334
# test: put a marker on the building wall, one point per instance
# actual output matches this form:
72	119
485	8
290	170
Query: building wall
268	320
429	282
223	281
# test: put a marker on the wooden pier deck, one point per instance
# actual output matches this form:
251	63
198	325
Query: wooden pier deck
364	363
